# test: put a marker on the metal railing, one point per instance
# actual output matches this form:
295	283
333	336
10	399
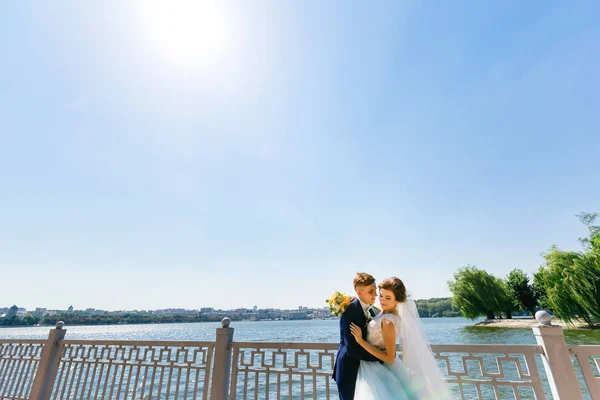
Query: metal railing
119	369
19	361
492	371
588	361
224	369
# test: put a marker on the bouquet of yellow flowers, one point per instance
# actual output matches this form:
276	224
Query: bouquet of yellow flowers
338	302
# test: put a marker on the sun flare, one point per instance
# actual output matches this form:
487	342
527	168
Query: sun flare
186	32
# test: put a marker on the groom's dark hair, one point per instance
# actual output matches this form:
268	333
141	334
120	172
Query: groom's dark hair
363	279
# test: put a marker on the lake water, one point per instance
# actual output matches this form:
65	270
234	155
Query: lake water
439	331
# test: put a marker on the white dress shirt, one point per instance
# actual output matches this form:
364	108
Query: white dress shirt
365	306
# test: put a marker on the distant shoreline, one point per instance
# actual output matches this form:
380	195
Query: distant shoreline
523	323
233	320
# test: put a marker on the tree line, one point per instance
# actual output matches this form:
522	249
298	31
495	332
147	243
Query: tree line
76	318
437	308
567	284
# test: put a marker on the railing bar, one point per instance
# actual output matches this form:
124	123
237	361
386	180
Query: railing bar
436	348
89	384
162	379
134	343
22	341
245	384
92	380
3	363
315	386
84	369
11	367
124	367
24	372
162	368
106	379
196	378
183	369
87	357
120	373
151	388
31	377
179	372
187	372
97	382
27	379
144	379
84	386
256	385
187	382
14	384
71	353
23	378
136	368
150	353
268	382
461	390
161	375
305	373
290	383
133	366
588	375
168	383
7	360
115	352
278	386
74	373
496	392
208	371
534	373
59	384
14	373
234	374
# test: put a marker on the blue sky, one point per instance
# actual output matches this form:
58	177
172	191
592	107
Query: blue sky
243	153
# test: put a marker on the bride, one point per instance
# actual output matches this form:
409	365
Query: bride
417	376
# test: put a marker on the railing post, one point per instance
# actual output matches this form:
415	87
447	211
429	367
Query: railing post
557	360
48	366
222	362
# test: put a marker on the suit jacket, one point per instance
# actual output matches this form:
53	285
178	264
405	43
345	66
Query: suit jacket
350	353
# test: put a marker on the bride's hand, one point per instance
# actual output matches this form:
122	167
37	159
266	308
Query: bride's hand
357	333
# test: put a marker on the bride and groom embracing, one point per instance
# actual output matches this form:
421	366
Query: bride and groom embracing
366	366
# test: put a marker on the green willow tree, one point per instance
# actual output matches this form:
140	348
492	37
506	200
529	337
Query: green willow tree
475	292
570	281
508	302
593	241
539	285
522	291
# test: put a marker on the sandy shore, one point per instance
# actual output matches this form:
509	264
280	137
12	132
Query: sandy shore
528	323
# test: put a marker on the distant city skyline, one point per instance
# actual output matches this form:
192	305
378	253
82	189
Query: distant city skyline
36	315
178	155
199	309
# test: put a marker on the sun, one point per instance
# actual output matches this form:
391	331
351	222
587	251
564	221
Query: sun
187	33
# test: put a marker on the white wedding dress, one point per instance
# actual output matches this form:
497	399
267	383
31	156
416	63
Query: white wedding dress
418	379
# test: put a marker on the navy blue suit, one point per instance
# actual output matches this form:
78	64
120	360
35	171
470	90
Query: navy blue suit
350	353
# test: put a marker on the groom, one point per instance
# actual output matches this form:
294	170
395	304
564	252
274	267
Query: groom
350	353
